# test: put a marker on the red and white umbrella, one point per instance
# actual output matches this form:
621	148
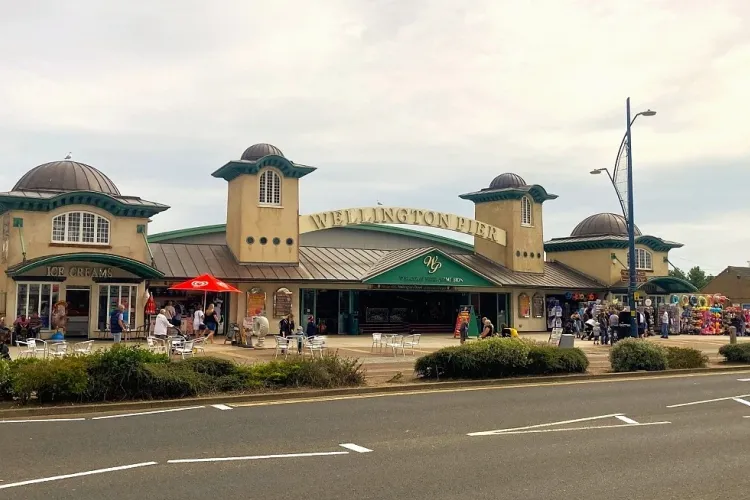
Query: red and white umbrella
205	283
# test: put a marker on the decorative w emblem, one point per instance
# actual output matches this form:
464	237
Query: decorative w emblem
432	263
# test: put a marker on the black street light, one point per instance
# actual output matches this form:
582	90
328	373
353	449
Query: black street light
627	206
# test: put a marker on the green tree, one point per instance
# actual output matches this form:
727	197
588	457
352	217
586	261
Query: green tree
677	273
695	275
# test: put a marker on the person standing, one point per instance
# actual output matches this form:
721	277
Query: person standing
665	324
169	311
117	323
162	324
463	331
211	320
198	327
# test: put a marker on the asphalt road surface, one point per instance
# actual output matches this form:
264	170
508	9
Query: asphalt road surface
669	438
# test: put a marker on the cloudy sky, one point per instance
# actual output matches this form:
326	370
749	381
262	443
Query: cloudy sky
409	102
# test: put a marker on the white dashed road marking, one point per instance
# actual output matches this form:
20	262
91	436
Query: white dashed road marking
355	447
77	474
222	407
147	412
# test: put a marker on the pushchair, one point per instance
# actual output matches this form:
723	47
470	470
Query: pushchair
588	329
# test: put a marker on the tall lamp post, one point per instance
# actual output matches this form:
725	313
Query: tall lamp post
626	203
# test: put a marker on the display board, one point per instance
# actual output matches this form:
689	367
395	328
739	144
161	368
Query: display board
466	313
555	336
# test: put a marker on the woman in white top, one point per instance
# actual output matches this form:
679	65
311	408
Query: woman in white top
162	324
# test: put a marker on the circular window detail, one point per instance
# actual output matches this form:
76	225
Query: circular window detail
289	241
250	240
276	241
518	253
526	254
538	255
263	240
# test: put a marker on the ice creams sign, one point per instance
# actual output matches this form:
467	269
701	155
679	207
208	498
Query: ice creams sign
79	272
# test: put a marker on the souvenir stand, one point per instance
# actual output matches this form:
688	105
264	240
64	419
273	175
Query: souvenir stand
703	314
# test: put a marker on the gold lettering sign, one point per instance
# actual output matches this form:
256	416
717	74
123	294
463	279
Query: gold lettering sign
433	263
397	215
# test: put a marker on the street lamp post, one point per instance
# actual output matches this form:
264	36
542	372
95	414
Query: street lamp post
628	211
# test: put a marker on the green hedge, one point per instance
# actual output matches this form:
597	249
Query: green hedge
500	357
123	373
736	353
631	355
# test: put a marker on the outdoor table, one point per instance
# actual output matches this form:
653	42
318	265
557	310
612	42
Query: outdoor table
299	340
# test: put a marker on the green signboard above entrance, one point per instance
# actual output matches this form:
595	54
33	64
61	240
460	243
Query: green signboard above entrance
432	269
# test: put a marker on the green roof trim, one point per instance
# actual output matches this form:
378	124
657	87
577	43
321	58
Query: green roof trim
136	267
670	284
400	231
287	168
574	244
115	206
537	193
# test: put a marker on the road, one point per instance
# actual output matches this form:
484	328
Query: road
585	440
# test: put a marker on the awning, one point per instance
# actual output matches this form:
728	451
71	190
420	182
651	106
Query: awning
138	268
667	285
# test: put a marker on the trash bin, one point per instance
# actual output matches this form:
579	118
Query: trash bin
567	341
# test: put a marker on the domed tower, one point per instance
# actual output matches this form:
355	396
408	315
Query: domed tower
64	176
515	206
263	206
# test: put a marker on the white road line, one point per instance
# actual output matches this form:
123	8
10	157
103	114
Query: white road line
77	474
626	419
592	427
256	457
740	400
502	431
743	380
148	412
222	407
355	447
708	401
42	420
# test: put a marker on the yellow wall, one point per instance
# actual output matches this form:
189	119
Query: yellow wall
600	265
530	324
506	214
245	217
37	234
239	302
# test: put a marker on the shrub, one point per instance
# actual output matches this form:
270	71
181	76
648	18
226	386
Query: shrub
685	357
6	389
630	355
547	359
215	367
173	380
327	372
54	380
736	353
495	358
118	373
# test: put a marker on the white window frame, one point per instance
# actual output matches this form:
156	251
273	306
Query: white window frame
98	219
273	185
644	260
527	219
51	305
132	308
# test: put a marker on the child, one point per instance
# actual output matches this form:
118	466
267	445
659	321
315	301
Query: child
596	333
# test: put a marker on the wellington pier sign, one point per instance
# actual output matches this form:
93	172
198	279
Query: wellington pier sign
398	215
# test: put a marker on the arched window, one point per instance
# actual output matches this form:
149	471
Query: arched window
82	228
525	211
270	188
643	260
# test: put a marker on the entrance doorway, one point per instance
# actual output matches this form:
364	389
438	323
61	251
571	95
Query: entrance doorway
79	306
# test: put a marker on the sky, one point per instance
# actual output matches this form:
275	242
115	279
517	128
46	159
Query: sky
405	102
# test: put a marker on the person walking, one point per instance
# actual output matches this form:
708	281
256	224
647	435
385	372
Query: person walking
162	324
211	321
199	328
117	323
665	324
463	332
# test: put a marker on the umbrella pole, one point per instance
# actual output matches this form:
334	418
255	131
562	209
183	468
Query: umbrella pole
205	295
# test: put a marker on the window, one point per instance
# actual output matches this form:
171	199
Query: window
37	298
643	259
110	296
80	227
270	188
525	211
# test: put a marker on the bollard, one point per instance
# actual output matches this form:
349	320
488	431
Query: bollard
732	334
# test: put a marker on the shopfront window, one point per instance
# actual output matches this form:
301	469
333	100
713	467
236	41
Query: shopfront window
37	298
110	296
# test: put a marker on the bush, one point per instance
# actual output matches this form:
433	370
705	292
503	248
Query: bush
500	357
173	380
6	389
685	357
215	367
54	380
631	355
548	359
328	372
736	353
117	373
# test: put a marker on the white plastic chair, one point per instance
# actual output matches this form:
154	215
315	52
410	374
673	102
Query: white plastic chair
316	344
27	348
395	343
186	349
199	344
411	342
282	344
58	350
377	341
83	348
